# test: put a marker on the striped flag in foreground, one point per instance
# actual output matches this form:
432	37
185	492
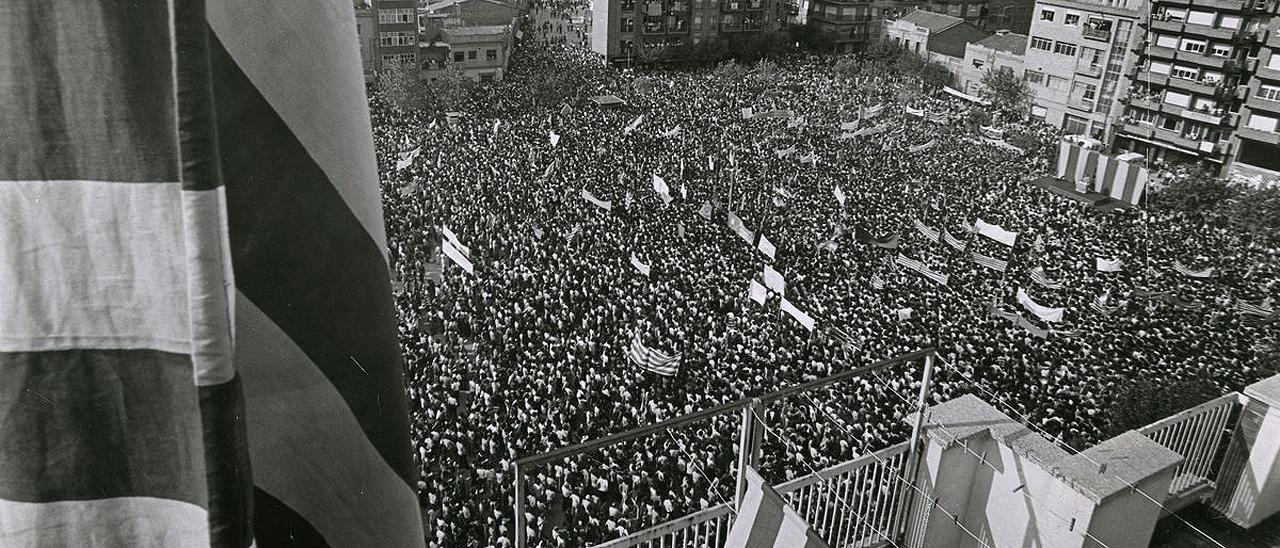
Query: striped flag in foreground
926	230
765	520
652	360
953	241
919	266
1186	271
1038	276
1248	308
203	175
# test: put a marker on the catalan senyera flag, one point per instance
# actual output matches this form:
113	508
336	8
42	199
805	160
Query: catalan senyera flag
765	520
198	342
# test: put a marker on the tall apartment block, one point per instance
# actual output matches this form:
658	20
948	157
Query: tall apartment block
1077	62
1207	89
620	28
854	24
397	24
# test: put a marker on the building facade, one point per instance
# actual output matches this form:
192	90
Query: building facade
936	37
473	36
1256	143
855	24
397	25
1011	15
367	34
1201	93
1077	62
1003	50
620	29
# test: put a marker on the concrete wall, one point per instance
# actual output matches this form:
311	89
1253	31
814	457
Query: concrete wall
970	76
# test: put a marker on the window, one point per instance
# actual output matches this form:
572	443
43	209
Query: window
1034	76
975	10
1205	105
1229	22
628	5
1041	43
1193	46
1270	93
1159	68
1055	82
459	57
1084	92
1143	116
486	77
396	39
1175	14
471	55
399	58
1185	72
398	15
1166	41
1046	15
1262	123
1171	123
1204	18
1063	48
1039	112
1091	56
978	63
697	23
1075	125
1273	62
1222	50
1071	19
491	55
1177	99
954	10
628	24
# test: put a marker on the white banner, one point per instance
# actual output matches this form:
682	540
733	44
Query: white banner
773	280
1048	314
766	246
996	232
457	257
804	319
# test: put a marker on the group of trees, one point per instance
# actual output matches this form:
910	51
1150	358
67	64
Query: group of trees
400	85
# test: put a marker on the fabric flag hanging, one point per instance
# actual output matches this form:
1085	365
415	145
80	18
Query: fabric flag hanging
774	281
839	194
784	152
1186	271
953	241
919	267
735	223
705	211
796	122
993	263
457	256
660	186
922	147
995	232
1248	308
800	316
496	124
747	113
633	125
555	138
757	292
1038	276
926	230
913	112
671	132
453	238
1101	304
905	313
1046	313
602	204
407	158
862	236
643	268
765	520
680	229
195	189
653	360
1109	265
766	247
684	191
830	246
566	109
551	169
873	111
626	200
877	282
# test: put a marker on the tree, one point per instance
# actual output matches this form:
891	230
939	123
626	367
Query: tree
730	70
449	91
1191	189
934	75
398	84
1009	95
1258	212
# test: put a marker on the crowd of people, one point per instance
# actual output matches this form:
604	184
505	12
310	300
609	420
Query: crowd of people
529	352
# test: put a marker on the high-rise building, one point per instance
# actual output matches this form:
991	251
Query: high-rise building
620	29
1189	90
1255	145
1208	90
367	34
1077	60
397	26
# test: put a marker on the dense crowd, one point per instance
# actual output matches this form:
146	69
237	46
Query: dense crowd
528	353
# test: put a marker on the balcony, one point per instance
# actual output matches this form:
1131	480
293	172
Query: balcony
1133	128
1258	103
1159	52
1181	27
1096	34
1092	71
1080	103
1193	86
1176	139
1269	137
1273	39
1211	118
1266	73
1149	103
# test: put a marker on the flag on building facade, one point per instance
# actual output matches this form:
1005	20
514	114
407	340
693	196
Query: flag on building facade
765	520
205	175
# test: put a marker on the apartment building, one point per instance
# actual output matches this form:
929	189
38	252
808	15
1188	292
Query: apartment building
855	24
1255	145
621	28
474	36
1193	82
397	26
934	36
1003	50
367	35
1077	62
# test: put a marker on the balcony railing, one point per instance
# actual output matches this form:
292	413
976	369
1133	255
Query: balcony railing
1196	434
1092	71
1211	117
853	504
1096	34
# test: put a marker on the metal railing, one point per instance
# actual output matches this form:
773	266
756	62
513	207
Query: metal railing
857	503
1197	435
854	504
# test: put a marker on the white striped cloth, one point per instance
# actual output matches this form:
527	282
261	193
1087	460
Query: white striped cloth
989	262
652	360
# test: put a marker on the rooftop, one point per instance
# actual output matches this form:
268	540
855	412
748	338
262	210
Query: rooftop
1005	41
474	12
935	22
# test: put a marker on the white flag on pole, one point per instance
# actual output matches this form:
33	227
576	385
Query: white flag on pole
458	258
660	186
766	246
804	319
757	292
453	238
1048	314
